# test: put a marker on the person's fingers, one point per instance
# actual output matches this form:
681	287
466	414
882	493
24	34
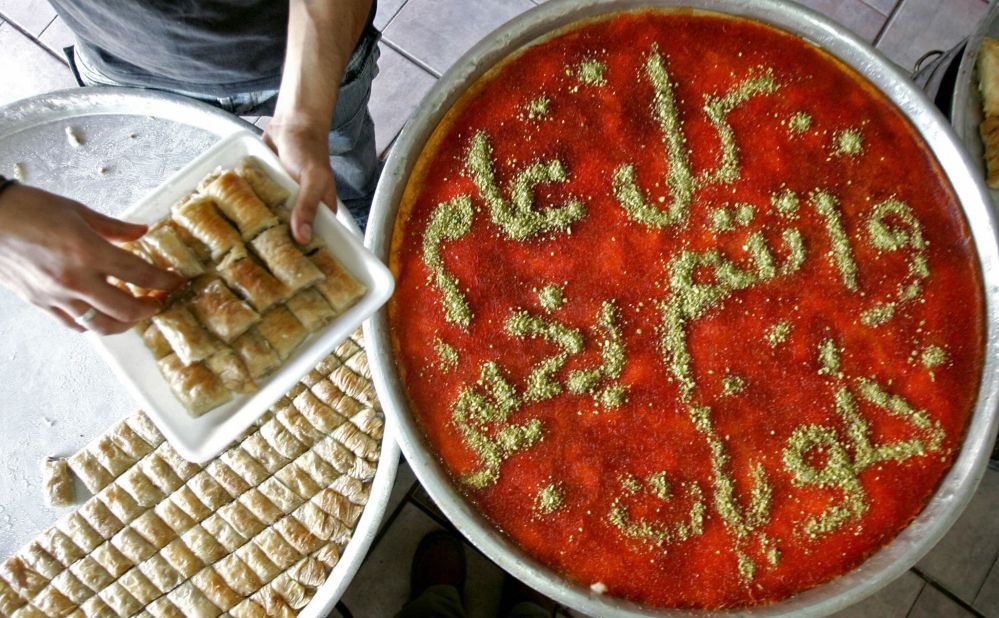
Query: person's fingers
66	319
133	269
103	325
115	303
313	188
100	323
111	228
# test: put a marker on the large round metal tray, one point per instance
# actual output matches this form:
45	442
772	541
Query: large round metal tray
957	486
140	137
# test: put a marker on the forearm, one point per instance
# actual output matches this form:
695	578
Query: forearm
321	37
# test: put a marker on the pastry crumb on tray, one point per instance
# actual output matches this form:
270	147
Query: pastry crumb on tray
73	137
57	482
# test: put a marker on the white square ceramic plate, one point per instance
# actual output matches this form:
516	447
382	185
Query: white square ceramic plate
199	439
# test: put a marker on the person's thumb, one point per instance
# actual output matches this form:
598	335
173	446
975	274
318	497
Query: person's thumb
110	228
314	187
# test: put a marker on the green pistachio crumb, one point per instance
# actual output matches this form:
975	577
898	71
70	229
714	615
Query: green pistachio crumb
446	354
732	384
679	177
551	297
828	206
786	202
829	358
549	499
660	486
721	220
778	333
878	314
449	221
630	484
718	107
799	122
887	234
591	72
613	396
744	214
933	356
516	215
849	142
539	107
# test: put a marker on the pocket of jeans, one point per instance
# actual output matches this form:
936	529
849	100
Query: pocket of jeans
364	59
354	93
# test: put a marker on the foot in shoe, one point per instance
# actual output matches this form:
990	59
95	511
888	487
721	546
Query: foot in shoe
439	560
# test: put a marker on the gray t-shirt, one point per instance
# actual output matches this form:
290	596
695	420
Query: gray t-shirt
211	47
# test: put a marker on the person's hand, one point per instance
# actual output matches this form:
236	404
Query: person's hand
304	151
56	254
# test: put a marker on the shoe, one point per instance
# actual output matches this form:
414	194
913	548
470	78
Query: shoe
514	592
439	560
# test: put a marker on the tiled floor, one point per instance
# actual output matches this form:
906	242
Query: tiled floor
422	38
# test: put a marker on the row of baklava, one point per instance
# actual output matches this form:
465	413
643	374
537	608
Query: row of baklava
253	531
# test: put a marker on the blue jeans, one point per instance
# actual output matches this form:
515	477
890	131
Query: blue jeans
352	134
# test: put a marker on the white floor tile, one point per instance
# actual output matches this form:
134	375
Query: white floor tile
404	480
27	68
923	25
438	32
422	498
387	9
962	560
57	36
381	586
32	16
934	604
853	14
882	6
395	93
484	585
893	601
987	600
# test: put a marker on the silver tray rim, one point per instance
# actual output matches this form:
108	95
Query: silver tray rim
363	536
72	103
958	485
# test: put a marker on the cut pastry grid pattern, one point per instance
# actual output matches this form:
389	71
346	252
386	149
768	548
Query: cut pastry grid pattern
254	293
253	532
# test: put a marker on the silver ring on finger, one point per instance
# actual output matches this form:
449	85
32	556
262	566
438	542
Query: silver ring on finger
86	317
